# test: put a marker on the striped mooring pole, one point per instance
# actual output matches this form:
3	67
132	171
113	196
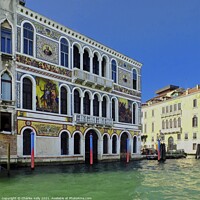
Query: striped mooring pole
32	151
91	149
127	150
158	149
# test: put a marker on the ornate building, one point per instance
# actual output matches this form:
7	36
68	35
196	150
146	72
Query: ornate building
173	116
63	87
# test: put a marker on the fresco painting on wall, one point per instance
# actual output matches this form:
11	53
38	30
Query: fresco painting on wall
47	50
47	95
125	110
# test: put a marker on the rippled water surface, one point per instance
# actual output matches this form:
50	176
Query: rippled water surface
174	179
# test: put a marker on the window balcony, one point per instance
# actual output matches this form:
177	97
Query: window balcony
83	119
171	130
89	79
6	103
6	57
99	81
178	112
87	119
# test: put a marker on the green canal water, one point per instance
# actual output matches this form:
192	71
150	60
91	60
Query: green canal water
174	179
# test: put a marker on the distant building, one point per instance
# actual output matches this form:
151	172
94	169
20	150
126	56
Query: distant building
63	87
173	116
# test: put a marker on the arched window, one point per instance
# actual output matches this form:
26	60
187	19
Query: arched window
114	144
114	71
28	37
103	67
76	57
104	109
86	104
27	94
96	106
27	142
105	144
64	52
95	65
86	61
163	124
77	143
167	124
6	86
170	123
195	121
134	79
134	144
175	123
134	113
113	110
77	102
179	122
64	143
63	100
6	38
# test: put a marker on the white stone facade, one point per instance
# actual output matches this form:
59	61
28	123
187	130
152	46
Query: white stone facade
66	86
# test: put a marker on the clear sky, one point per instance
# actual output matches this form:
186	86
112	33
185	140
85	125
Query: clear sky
164	35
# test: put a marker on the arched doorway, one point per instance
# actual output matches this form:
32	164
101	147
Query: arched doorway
64	143
87	146
77	143
114	144
105	144
170	143
123	146
134	144
27	142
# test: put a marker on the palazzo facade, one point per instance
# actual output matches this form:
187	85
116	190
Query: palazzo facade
173	117
63	87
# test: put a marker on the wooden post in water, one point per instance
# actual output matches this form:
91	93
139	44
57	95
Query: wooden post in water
32	151
158	150
8	161
127	151
91	149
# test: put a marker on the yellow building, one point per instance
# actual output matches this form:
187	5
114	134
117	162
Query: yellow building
172	116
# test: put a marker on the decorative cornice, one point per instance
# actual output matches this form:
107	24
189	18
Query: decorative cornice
126	91
56	26
44	66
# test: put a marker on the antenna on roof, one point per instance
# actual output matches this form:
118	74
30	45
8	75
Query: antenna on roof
22	2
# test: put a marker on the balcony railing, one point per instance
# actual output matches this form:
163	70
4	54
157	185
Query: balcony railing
171	130
7	102
87	78
87	119
177	112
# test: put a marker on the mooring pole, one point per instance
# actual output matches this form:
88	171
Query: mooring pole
91	149
158	149
32	151
127	151
8	161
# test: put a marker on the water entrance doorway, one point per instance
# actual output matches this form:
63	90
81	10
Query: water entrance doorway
123	146
171	145
27	142
87	146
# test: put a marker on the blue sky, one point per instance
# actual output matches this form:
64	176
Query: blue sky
164	35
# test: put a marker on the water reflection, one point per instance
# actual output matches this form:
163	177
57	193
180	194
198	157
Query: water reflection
174	179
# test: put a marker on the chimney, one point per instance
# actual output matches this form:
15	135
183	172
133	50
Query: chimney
187	91
197	87
22	2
